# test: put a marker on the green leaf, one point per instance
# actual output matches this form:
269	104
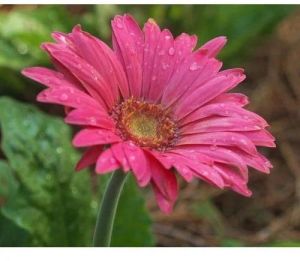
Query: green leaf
23	30
11	234
51	202
132	226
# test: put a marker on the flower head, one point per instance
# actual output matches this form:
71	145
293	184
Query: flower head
155	106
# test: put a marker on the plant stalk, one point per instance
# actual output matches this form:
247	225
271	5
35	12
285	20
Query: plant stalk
107	211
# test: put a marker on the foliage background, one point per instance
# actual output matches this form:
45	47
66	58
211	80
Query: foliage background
43	203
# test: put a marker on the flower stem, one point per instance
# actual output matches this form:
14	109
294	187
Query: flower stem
107	211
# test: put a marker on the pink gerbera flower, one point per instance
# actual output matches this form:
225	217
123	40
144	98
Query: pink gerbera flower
154	106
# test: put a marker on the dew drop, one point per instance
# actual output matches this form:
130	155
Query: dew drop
171	51
213	147
194	66
167	37
161	53
185	170
132	158
165	66
63	97
131	144
119	24
92	120
153	78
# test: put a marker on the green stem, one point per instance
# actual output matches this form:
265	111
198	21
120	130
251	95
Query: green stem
107	211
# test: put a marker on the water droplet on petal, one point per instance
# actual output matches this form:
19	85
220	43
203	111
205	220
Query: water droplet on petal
194	66
63	97
153	78
165	66
132	158
185	170
171	51
167	37
119	24
162	52
92	120
213	147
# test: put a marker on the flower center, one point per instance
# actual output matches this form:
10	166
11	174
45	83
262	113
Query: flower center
146	124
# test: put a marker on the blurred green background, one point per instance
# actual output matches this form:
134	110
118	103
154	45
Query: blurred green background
43	202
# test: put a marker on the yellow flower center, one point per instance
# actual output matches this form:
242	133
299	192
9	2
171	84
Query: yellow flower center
147	124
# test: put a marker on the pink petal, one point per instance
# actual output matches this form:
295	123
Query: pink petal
225	81
208	174
101	57
152	35
233	180
69	97
220	138
164	204
224	109
217	124
89	77
118	152
179	163
89	157
163	62
256	161
106	162
214	46
226	156
162	67
128	45
164	180
261	138
138	163
237	99
51	78
89	137
195	70
90	117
